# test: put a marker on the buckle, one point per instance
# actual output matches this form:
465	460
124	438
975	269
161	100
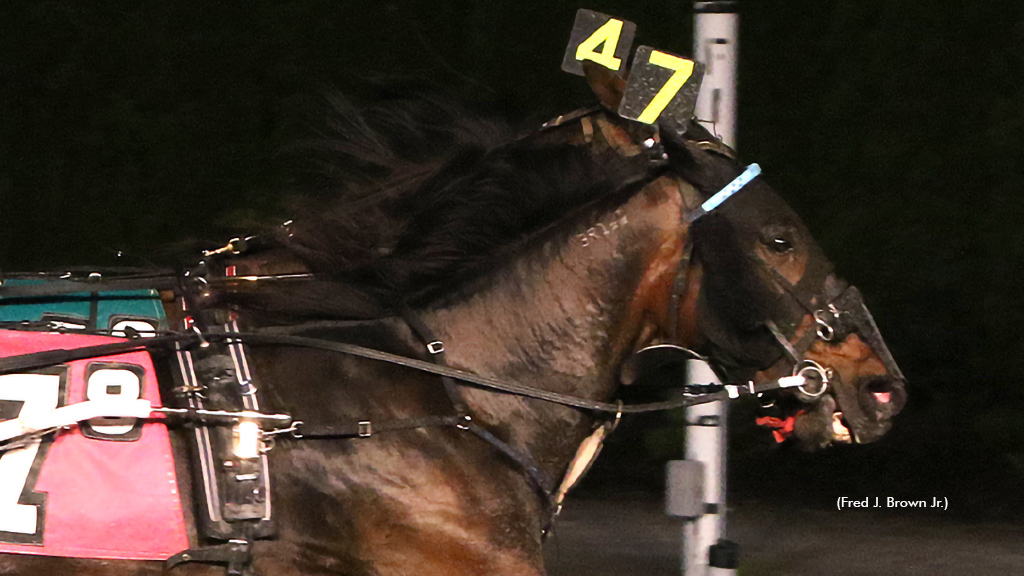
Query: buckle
365	429
435	347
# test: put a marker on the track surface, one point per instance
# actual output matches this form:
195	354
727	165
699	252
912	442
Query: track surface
631	535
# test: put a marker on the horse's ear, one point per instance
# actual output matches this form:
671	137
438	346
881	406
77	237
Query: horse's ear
686	159
606	84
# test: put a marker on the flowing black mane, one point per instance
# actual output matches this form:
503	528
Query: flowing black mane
414	196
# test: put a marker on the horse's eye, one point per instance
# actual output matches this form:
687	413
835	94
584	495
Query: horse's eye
780	245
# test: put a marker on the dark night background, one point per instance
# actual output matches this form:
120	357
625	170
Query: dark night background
894	127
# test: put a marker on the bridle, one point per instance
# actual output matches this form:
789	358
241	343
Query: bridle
837	308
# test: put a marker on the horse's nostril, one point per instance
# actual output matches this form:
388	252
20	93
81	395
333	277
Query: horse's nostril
884	393
880	389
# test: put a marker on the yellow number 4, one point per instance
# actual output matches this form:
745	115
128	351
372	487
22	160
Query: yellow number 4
607	36
682	68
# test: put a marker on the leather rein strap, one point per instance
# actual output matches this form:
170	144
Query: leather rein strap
280	336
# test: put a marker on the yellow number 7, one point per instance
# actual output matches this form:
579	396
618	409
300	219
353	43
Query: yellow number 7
683	69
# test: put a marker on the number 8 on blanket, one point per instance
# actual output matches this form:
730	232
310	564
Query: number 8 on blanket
113	381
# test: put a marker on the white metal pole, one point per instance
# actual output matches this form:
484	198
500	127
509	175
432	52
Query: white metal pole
715	44
705	551
705	443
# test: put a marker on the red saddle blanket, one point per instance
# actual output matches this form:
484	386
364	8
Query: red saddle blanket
105	489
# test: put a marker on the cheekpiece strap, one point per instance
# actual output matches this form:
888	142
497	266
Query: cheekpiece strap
725	193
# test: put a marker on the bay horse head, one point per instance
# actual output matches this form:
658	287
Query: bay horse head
768	304
755	293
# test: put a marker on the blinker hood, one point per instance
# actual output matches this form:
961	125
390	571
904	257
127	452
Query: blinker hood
850	315
792	302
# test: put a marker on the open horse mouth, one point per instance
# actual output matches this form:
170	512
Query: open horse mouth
860	413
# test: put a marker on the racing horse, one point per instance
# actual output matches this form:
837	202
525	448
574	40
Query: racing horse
555	260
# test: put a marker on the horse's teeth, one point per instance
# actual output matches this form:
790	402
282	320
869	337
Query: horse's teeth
840	433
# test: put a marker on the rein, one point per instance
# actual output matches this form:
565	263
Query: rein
279	336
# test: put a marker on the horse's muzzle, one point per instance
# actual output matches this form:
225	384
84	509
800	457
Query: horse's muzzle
881	397
869	405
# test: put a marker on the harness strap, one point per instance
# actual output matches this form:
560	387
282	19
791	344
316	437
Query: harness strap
280	336
688	198
723	393
537	476
366	428
57	356
464	421
235	555
435	347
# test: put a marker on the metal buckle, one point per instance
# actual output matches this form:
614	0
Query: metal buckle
435	347
365	429
203	343
825	330
247	388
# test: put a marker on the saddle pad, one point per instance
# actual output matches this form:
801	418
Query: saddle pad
106	489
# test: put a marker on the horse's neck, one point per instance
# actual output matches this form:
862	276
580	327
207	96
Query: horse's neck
563	317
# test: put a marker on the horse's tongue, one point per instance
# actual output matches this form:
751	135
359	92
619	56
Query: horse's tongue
883	397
